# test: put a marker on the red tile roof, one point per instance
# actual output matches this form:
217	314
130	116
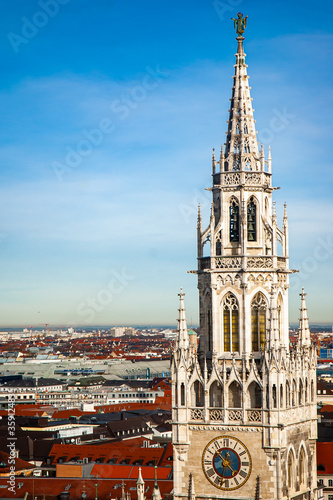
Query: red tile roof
324	457
106	488
130	450
20	465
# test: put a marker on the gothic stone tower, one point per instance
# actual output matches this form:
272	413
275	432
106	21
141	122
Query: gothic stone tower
244	406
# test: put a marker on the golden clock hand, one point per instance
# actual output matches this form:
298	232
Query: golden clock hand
232	471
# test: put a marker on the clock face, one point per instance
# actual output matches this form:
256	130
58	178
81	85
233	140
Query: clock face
226	463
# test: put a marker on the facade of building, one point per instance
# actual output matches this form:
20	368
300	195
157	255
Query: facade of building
244	406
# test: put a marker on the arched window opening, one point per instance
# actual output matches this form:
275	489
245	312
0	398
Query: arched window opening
197	394
245	128
251	220
254	391
235	396
300	392
274	398
234	220
246	147
306	395
287	394
302	478
182	394
312	391
230	323
258	321
293	394
218	243
215	395
236	147
281	396
209	328
279	312
290	470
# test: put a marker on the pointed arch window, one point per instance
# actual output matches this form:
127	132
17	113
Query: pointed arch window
234	220
290	470
230	323
279	312
251	220
302	469
258	321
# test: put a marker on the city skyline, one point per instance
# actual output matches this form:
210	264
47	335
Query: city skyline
110	114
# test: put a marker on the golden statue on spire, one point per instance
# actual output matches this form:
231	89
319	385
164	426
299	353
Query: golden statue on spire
240	23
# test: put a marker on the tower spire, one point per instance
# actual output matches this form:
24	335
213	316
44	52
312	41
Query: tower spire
182	326
140	486
241	149
156	490
303	330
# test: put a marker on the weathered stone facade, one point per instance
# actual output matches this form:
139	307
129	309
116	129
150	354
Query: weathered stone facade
246	385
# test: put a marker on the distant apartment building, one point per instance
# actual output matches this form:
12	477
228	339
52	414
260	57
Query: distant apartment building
120	331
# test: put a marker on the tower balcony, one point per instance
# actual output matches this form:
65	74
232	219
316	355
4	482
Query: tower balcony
226	415
244	263
242	178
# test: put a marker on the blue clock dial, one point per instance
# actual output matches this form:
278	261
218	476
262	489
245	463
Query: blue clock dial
226	462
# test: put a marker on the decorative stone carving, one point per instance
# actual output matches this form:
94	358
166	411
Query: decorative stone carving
259	262
216	414
235	415
252	178
254	415
197	414
228	262
231	179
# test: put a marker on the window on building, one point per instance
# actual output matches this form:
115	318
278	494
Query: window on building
230	323
302	467
252	220
234	220
258	321
330	482
330	497
279	311
290	470
182	394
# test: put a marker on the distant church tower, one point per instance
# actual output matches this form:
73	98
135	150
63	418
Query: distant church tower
244	406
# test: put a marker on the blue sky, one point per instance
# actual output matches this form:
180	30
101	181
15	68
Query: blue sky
109	112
